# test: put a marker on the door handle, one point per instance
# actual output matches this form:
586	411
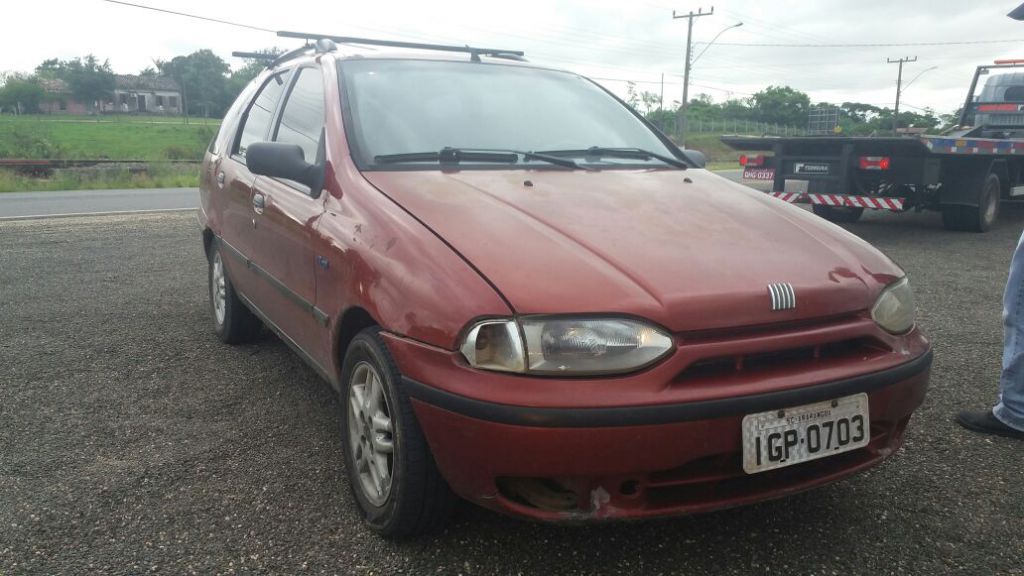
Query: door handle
220	179
259	202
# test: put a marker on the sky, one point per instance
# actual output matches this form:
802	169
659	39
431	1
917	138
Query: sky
610	41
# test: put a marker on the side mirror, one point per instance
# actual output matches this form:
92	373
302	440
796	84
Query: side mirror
696	157
287	161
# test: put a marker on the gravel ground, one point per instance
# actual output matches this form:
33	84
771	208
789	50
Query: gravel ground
132	441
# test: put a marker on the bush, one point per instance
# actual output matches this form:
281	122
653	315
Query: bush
179	153
21	143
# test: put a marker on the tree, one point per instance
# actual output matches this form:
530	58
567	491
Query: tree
20	93
252	67
90	80
781	105
738	109
952	119
859	113
703	108
632	98
202	77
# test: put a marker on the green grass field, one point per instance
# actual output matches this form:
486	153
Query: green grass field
104	137
719	155
156	175
153	139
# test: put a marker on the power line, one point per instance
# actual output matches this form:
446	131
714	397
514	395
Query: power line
868	45
775	29
580	33
186	15
716	88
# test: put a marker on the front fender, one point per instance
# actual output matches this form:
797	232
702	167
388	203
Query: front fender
383	260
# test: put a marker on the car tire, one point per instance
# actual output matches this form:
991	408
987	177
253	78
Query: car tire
978	218
233	322
838	214
392	474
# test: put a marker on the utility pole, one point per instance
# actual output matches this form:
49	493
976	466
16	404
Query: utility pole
661	102
686	70
899	81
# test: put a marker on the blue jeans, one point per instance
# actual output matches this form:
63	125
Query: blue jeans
1010	409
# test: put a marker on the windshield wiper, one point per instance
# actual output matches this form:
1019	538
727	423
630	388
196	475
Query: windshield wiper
449	155
637	153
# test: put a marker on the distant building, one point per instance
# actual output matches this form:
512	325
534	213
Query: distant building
145	94
57	98
132	95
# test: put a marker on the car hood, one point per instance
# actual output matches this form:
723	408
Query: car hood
689	250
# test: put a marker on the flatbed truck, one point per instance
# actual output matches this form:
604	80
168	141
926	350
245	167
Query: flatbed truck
965	174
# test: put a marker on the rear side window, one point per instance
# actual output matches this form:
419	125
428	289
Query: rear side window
1014	94
302	120
256	124
230	122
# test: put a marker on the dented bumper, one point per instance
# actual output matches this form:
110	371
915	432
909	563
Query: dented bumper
573	464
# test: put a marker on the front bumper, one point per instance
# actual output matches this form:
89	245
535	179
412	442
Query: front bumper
629	461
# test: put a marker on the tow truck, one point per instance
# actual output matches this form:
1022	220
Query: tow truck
964	173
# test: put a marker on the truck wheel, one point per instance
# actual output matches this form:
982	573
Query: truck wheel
841	214
232	321
391	472
978	218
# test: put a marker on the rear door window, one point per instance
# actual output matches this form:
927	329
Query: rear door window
256	124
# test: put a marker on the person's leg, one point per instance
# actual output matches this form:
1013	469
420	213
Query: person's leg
1010	408
1007	417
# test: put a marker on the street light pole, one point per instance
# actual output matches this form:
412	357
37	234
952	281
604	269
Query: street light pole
713	40
686	70
907	85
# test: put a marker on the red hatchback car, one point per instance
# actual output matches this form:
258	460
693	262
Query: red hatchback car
527	296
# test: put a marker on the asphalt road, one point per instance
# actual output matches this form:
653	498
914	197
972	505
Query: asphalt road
34	204
133	442
14	205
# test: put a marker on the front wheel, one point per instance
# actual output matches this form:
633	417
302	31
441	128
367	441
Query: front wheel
840	214
390	469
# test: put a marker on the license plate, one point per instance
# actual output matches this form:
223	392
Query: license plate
786	437
758	173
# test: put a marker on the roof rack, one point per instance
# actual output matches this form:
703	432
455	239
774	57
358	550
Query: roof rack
474	52
262	56
272	60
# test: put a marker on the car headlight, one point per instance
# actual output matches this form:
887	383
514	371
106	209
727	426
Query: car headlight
557	345
894	310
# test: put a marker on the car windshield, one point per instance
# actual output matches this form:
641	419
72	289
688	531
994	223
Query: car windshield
418	108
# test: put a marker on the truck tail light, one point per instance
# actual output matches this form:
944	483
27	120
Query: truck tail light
874	162
752	161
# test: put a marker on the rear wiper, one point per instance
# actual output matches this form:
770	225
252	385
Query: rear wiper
637	153
449	155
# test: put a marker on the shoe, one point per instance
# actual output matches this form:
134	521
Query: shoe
986	423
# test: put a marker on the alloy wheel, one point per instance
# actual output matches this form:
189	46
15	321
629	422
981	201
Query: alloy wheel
218	289
371	436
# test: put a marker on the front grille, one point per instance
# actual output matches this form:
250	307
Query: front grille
864	348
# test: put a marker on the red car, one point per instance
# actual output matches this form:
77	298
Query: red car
527	296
